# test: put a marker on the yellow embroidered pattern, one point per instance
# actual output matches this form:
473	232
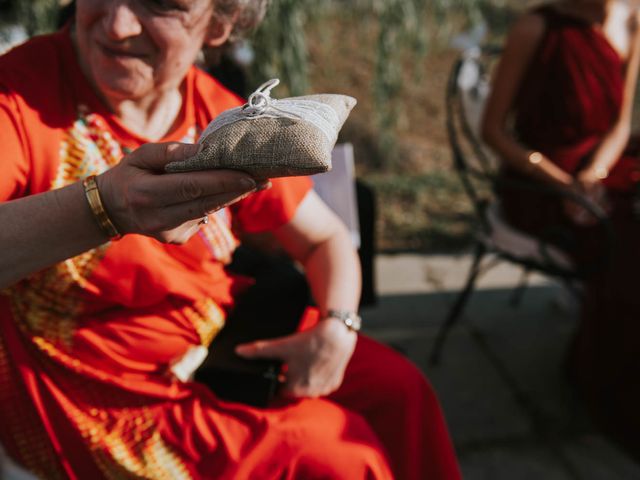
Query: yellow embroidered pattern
49	301
121	433
219	237
207	318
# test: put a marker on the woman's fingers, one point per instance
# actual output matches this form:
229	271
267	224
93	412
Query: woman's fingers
140	197
155	156
156	188
300	380
172	216
277	348
174	188
179	235
316	359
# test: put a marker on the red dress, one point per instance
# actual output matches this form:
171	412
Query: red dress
86	389
571	96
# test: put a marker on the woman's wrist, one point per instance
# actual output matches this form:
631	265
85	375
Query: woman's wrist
349	318
534	160
601	172
100	215
594	173
540	167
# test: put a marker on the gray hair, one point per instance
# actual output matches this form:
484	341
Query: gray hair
245	15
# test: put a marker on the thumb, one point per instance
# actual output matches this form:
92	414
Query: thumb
154	156
276	348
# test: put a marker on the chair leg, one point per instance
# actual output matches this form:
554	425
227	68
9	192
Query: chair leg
458	306
518	293
575	288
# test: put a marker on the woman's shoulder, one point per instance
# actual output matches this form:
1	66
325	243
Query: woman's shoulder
621	27
632	13
529	28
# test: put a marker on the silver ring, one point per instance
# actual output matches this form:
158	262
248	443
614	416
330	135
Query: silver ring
204	220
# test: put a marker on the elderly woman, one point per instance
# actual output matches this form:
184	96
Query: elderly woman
112	270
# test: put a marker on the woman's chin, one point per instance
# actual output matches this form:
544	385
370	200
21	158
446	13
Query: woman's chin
123	80
123	89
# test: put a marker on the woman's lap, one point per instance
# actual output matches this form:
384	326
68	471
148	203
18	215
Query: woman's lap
402	408
385	416
304	439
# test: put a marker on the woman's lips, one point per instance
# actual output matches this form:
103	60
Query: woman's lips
121	53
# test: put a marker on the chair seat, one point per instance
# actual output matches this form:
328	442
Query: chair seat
10	471
513	242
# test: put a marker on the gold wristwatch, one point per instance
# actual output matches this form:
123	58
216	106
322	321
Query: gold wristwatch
351	319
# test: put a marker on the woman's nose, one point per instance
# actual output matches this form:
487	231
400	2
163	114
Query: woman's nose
120	21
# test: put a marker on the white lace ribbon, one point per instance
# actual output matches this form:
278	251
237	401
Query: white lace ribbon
261	105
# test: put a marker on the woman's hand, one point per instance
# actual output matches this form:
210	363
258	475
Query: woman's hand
588	184
137	195
316	359
140	197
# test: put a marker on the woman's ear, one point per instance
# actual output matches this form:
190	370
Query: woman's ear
219	33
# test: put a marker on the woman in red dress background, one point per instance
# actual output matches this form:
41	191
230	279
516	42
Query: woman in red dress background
567	79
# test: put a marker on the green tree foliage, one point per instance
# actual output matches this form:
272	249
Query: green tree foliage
36	16
402	40
280	44
400	29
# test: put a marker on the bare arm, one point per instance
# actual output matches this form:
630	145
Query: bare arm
321	243
43	229
614	143
521	44
317	358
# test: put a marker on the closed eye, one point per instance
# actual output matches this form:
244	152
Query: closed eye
166	6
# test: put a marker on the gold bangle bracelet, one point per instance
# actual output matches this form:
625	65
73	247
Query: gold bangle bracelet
534	158
99	213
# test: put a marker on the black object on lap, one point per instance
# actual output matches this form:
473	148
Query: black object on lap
270	308
254	382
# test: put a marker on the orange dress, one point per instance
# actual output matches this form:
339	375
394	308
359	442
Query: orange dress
86	389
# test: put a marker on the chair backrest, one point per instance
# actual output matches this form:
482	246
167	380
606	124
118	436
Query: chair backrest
338	190
9	470
468	89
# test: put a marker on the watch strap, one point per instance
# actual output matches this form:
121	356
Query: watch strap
352	320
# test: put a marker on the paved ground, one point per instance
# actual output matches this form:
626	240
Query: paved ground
500	380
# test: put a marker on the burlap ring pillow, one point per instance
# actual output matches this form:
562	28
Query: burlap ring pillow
271	138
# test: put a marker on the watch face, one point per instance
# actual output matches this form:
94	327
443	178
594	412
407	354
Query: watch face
351	319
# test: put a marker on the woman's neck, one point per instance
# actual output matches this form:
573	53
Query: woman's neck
151	118
592	11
